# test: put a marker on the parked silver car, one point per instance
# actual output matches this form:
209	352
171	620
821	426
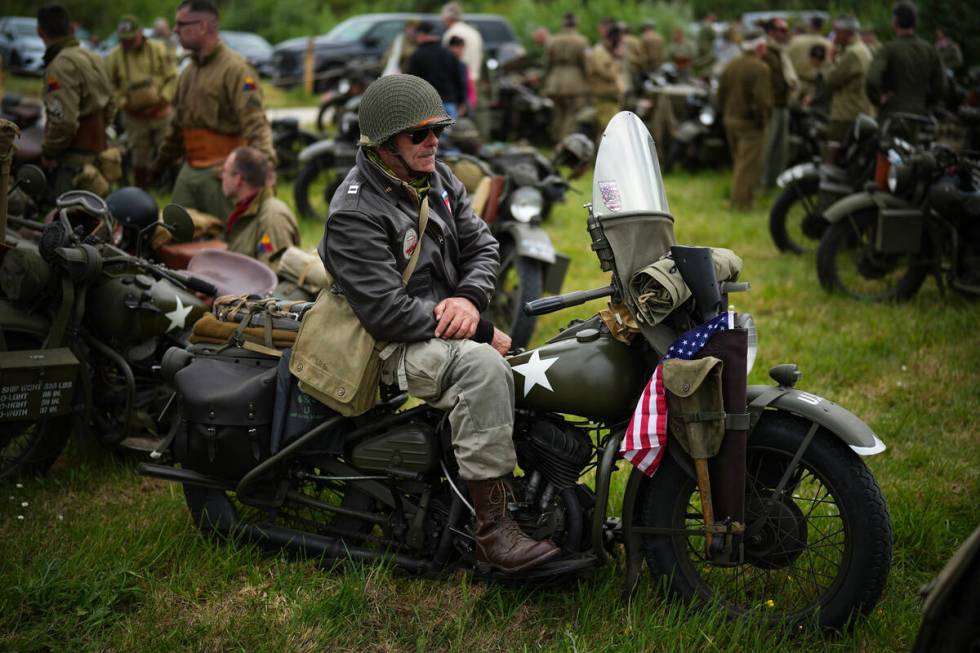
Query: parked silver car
20	46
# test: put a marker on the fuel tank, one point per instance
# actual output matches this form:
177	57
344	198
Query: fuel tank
133	306
583	371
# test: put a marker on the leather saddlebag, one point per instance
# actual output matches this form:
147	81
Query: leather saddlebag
226	409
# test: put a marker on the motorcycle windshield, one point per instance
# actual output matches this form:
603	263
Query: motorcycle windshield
627	173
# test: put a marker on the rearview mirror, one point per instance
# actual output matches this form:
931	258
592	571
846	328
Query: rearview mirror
31	180
179	222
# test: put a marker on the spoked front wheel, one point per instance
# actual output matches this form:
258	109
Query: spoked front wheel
820	549
849	260
795	221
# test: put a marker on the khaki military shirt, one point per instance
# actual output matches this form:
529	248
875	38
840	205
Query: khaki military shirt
909	70
565	63
745	91
606	74
950	54
798	51
220	94
632	53
845	79
76	86
266	228
152	63
653	50
782	75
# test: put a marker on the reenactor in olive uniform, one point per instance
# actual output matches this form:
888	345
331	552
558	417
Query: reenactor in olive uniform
845	78
606	76
682	54
217	107
784	81
799	50
78	105
745	98
653	46
565	75
949	52
144	74
906	75
260	226
632	61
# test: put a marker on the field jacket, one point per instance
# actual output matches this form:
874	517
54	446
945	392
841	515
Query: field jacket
371	234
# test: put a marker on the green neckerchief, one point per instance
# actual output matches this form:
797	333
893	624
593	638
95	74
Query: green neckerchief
418	186
57	46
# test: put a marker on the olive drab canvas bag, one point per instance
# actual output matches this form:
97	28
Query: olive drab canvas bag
335	359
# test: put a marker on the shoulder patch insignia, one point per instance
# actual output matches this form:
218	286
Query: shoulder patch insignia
253	102
249	85
55	108
409	243
265	244
53	85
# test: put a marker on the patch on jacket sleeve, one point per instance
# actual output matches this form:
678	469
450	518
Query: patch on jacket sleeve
265	244
409	243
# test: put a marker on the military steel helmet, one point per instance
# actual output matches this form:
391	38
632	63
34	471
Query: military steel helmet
465	136
132	207
396	103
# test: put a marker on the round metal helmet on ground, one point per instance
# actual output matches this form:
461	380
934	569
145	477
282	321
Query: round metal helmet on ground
396	103
132	207
576	148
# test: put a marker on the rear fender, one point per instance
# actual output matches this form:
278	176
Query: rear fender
864	200
796	173
841	422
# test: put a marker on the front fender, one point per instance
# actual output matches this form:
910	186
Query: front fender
15	320
838	420
864	200
325	147
530	239
797	172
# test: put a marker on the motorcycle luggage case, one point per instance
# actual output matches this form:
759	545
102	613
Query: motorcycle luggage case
36	384
227	402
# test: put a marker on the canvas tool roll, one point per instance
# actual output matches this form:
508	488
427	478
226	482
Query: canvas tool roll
303	268
265	326
335	359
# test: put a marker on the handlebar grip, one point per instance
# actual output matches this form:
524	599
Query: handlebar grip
544	305
552	304
201	286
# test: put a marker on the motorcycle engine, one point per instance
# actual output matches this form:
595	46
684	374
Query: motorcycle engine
556	449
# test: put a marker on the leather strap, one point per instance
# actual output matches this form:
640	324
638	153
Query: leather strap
423	221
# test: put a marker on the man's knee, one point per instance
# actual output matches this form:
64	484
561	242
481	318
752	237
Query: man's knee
482	359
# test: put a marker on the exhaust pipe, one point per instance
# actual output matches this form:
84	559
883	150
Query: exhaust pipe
167	473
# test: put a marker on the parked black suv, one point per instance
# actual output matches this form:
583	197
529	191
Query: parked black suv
366	37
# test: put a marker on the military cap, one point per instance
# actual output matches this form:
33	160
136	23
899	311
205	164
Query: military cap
847	23
128	26
569	19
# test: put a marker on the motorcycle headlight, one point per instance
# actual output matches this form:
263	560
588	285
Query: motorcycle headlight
745	321
343	86
707	117
526	204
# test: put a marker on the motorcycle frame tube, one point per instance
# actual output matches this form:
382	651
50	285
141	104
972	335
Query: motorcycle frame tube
863	200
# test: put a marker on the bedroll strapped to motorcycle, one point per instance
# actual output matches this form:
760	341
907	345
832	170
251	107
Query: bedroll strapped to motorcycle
264	325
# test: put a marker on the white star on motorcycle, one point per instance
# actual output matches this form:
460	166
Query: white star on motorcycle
178	316
535	371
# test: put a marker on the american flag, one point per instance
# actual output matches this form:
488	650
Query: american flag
646	435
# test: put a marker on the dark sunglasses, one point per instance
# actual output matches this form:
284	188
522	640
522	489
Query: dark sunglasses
419	135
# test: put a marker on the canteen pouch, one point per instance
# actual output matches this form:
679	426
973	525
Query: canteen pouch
695	404
226	408
142	95
109	163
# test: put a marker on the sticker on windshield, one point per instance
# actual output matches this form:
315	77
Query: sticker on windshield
610	195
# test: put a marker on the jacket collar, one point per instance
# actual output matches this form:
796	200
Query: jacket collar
57	46
385	181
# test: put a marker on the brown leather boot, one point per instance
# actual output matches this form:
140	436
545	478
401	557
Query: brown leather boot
499	540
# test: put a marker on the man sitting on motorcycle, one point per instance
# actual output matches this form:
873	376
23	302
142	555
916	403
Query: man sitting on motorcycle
440	349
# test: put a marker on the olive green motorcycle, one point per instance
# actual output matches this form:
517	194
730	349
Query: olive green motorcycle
750	498
83	323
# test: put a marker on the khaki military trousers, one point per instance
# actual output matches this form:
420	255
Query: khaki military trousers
564	114
745	141
145	138
605	110
777	146
200	189
475	385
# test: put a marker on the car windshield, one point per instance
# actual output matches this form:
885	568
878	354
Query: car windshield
22	27
245	41
349	30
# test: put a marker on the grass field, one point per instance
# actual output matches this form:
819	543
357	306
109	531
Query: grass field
95	558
